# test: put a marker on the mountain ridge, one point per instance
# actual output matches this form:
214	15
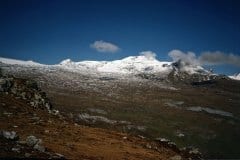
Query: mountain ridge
129	66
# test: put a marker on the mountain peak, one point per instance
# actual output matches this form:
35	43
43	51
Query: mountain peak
235	76
66	62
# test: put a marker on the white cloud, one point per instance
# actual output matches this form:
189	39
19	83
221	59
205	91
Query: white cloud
104	47
188	58
148	54
205	58
217	58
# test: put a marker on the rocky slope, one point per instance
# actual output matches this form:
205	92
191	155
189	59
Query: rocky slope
31	128
186	104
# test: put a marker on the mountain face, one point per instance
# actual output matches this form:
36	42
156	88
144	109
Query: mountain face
132	65
143	96
133	68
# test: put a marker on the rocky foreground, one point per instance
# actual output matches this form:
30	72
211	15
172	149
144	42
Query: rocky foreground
31	128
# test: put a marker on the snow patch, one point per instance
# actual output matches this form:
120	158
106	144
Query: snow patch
18	62
210	111
235	77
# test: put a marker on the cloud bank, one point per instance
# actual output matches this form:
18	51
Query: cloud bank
189	58
148	54
217	58
104	47
205	58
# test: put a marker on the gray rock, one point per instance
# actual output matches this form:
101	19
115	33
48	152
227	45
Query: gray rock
21	142
176	157
23	95
48	106
31	141
39	147
195	151
148	146
36	143
10	135
14	90
27	155
5	84
37	96
180	135
16	150
172	144
54	112
163	140
59	155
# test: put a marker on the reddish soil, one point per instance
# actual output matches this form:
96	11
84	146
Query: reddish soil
61	135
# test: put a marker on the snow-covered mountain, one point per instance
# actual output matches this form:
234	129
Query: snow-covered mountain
129	65
235	77
133	65
18	62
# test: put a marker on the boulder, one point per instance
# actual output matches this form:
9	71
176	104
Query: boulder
9	135
36	143
32	141
39	147
5	84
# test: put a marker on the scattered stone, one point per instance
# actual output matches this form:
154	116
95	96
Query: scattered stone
5	84
177	157
31	141
140	136
125	138
54	112
93	119
140	128
37	96
46	131
35	118
194	151
210	111
124	122
36	143
27	155
16	150
10	135
48	106
7	113
99	111
22	142
39	147
148	146
172	144
59	155
23	95
180	135
164	140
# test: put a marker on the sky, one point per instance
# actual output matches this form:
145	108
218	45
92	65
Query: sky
49	31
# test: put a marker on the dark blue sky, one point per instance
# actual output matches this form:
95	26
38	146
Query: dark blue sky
48	31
